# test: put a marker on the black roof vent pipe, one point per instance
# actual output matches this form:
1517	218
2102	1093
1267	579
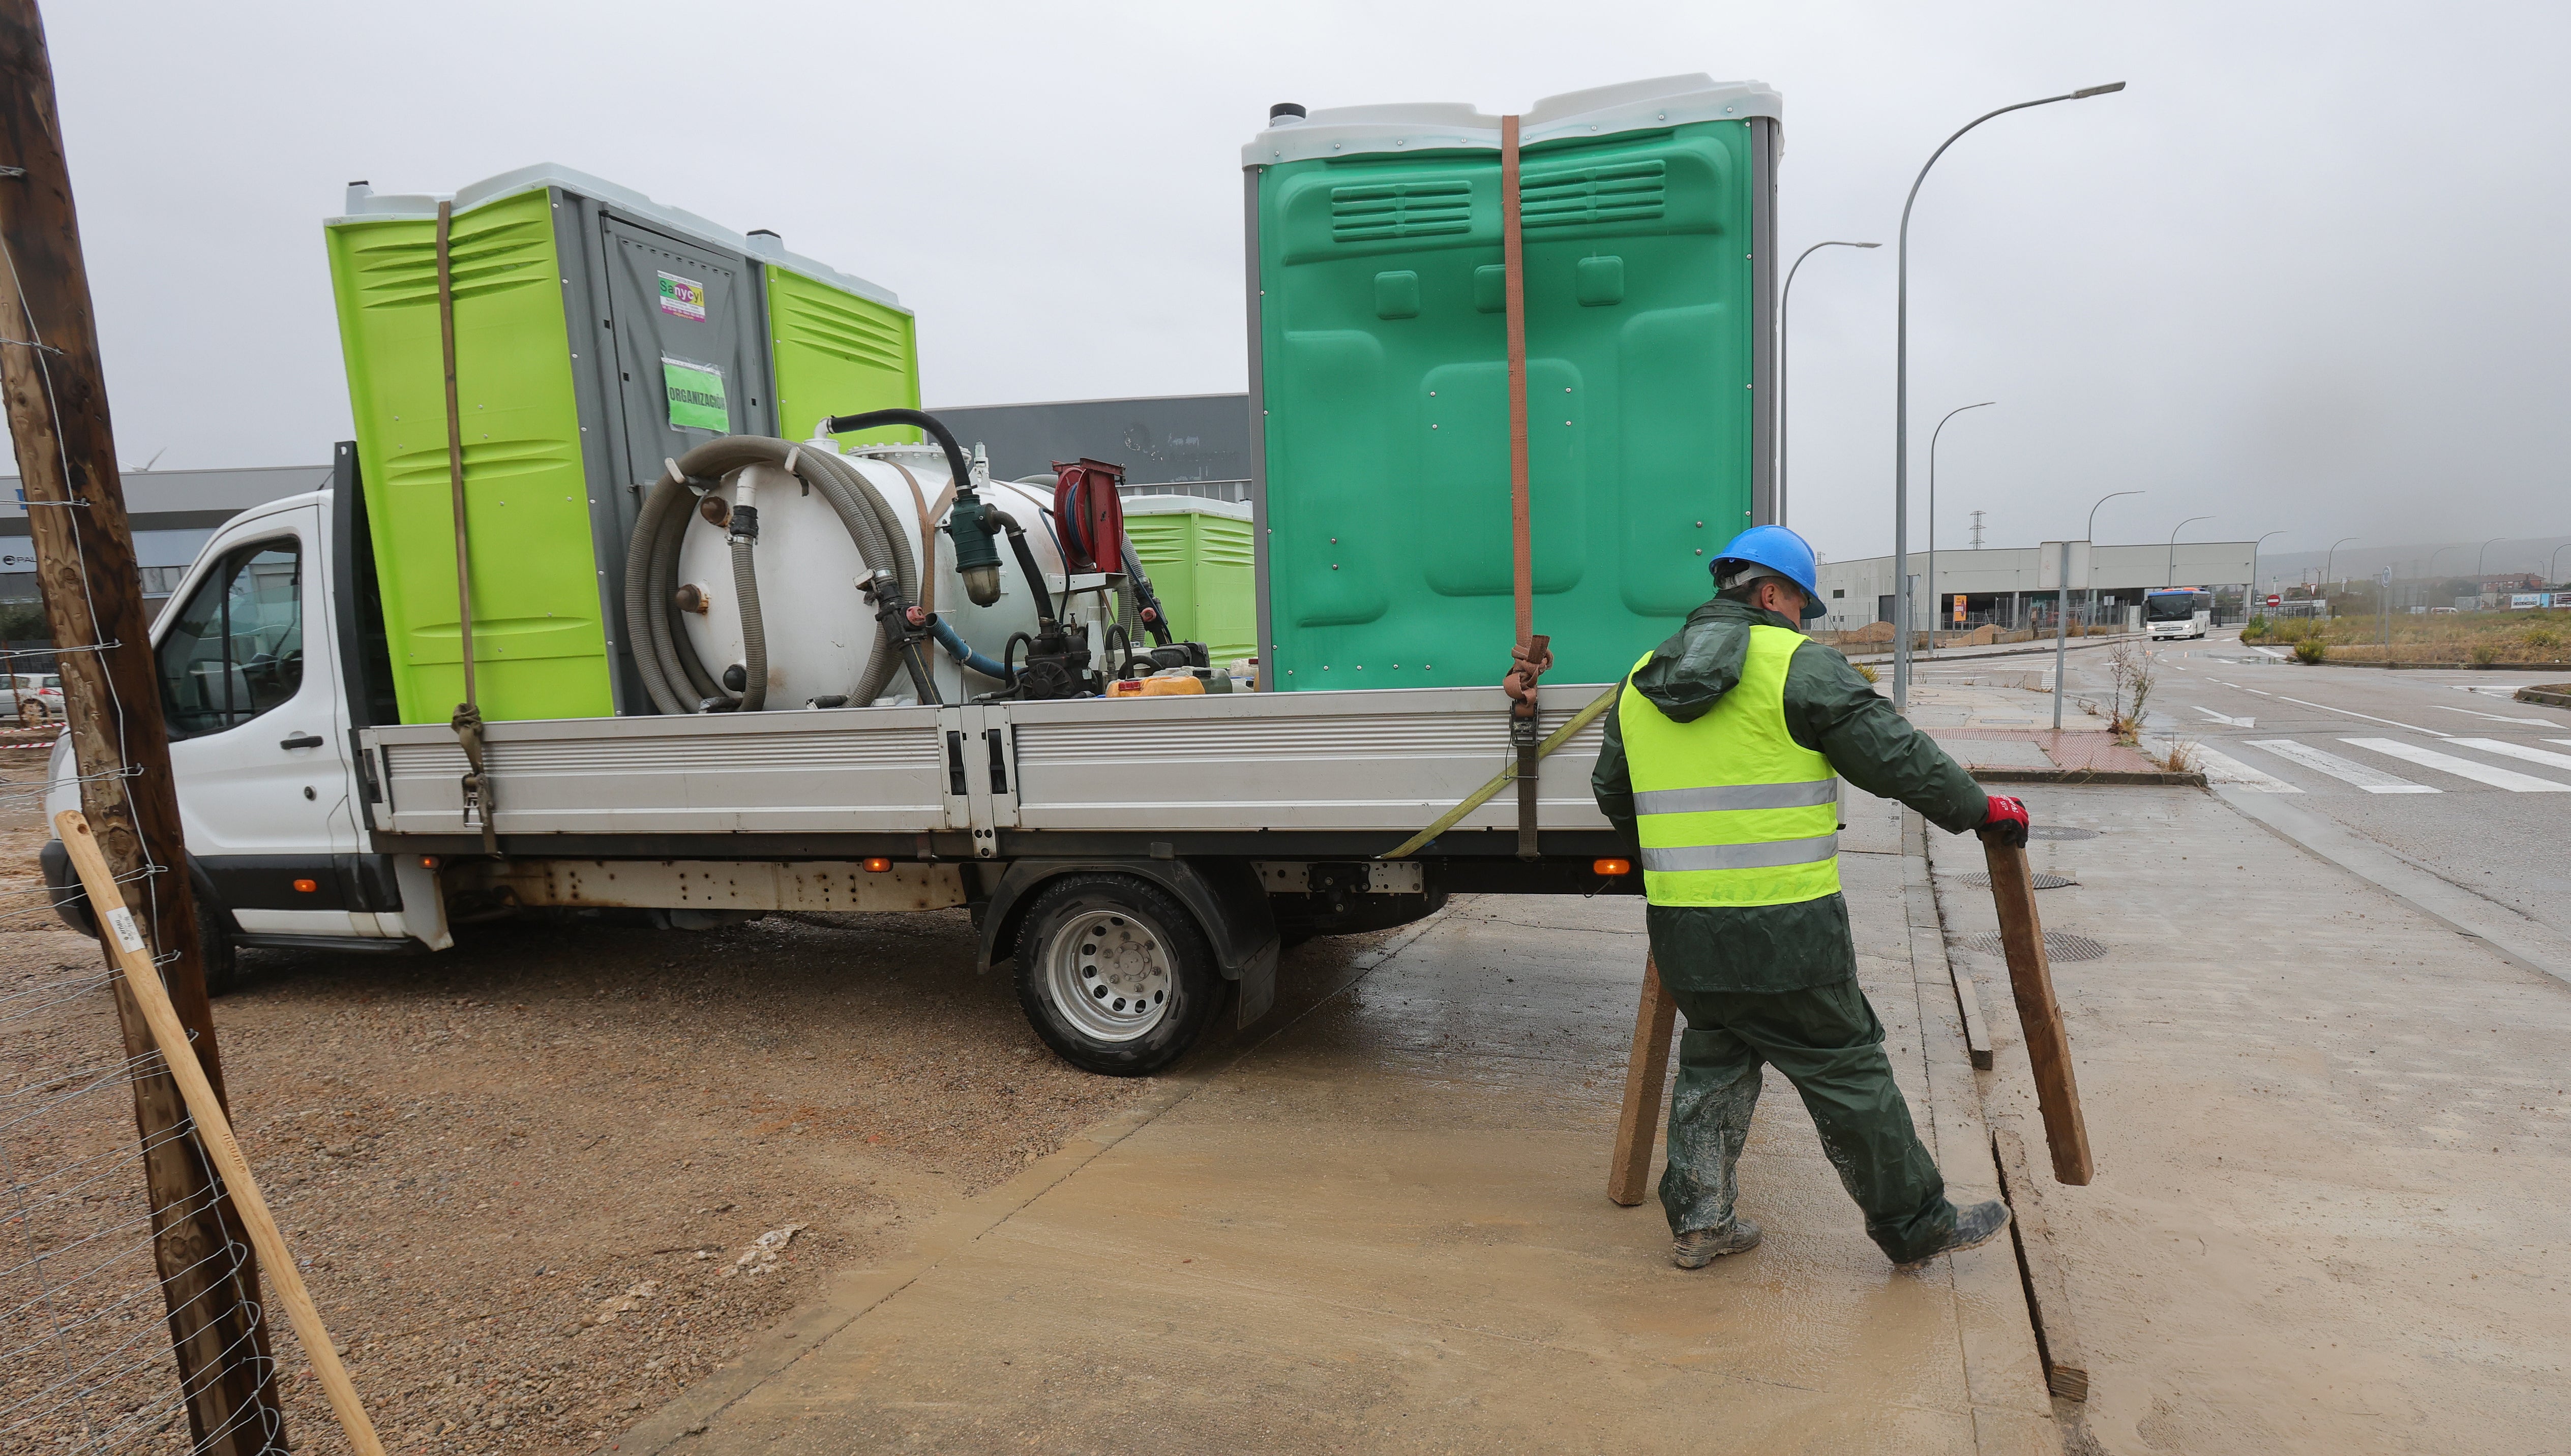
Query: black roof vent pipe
1284	110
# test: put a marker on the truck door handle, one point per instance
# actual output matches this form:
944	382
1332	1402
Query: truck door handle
999	760
956	765
302	740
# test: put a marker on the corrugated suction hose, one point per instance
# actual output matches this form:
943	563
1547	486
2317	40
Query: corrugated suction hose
670	669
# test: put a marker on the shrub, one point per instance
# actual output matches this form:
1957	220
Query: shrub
2253	630
2311	649
2484	654
1865	671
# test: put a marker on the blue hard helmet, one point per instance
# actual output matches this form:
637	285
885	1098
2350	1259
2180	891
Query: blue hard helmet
1781	550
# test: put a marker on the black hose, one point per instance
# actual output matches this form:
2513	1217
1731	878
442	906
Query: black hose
840	424
1154	619
1026	559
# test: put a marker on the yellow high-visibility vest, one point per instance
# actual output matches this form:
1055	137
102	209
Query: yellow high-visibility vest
1731	809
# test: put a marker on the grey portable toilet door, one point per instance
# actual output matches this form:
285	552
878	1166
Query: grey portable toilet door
690	365
690	348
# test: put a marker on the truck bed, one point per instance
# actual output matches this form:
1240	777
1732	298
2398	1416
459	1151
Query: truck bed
1336	775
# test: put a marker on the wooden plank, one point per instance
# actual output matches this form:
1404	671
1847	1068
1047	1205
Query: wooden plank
132	954
1977	1032
2048	1045
2048	1294
1645	1069
56	401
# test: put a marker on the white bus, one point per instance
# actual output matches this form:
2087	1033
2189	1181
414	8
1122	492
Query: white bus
2177	612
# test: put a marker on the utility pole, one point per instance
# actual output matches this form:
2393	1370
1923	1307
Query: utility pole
56	399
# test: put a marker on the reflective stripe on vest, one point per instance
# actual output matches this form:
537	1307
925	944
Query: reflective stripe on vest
1731	809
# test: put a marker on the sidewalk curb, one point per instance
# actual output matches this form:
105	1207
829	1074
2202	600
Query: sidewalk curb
2510	936
854	1293
2383	665
2550	694
1975	654
2102	778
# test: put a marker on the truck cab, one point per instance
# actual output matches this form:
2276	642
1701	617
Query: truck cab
260	722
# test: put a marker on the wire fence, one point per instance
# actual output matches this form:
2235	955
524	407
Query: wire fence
103	1285
87	1324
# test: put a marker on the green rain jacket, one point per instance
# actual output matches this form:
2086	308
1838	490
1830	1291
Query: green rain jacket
1830	710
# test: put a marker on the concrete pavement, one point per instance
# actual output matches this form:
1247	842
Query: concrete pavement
1385	1229
2331	1135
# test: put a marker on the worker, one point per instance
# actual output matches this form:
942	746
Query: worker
1721	761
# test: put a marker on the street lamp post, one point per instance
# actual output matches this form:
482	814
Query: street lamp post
2553	573
2170	576
2329	559
1935	610
1902	396
2246	611
2089	533
1784	337
2479	558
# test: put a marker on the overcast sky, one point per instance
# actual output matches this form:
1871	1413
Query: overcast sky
2303	275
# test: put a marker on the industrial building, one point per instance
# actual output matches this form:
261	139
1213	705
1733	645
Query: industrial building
2001	583
172	512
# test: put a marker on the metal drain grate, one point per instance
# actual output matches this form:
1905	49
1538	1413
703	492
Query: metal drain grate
2060	831
2058	945
2042	881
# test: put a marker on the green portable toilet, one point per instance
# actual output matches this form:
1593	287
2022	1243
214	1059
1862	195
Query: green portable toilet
598	334
1379	378
1198	554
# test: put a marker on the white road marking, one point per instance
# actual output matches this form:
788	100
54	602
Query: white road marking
2369	718
2495	690
2223	718
2519	751
2508	778
2224	768
2495	717
2270	650
2342	769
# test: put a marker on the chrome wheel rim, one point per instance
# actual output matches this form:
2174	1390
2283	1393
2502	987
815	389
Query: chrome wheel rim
1109	972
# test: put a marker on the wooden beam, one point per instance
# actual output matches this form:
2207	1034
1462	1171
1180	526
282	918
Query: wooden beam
1645	1069
2048	1045
56	400
2048	1294
133	956
1977	1032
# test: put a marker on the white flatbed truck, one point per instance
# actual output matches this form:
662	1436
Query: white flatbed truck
1140	860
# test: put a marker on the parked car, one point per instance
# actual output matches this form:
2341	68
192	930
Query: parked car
33	697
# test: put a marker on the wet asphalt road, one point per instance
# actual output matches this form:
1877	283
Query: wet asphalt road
2443	767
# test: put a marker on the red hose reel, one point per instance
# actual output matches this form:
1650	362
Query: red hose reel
1090	515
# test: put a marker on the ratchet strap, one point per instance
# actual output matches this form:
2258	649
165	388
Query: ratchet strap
467	722
1552	740
1529	655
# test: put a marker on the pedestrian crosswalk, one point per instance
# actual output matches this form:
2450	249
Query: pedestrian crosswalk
2343	769
2370	779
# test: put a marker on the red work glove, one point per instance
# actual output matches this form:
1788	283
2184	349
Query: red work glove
2004	820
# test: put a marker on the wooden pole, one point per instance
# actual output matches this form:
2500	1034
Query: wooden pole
1645	1070
56	401
2048	1046
133	956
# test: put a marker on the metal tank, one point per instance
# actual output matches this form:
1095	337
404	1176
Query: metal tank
819	628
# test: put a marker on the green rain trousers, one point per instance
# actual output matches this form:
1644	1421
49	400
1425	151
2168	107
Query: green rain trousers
1826	1041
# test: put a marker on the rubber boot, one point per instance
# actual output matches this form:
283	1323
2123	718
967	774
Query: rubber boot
1698	1247
1975	1226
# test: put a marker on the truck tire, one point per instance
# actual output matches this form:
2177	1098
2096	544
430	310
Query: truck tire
1115	974
222	960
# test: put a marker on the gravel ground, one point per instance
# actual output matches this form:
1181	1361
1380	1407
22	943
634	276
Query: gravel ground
543	1181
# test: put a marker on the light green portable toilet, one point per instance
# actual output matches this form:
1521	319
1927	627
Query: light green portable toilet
1198	554
598	333
1380	381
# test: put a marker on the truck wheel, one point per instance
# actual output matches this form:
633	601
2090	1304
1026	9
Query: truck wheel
1115	974
222	962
